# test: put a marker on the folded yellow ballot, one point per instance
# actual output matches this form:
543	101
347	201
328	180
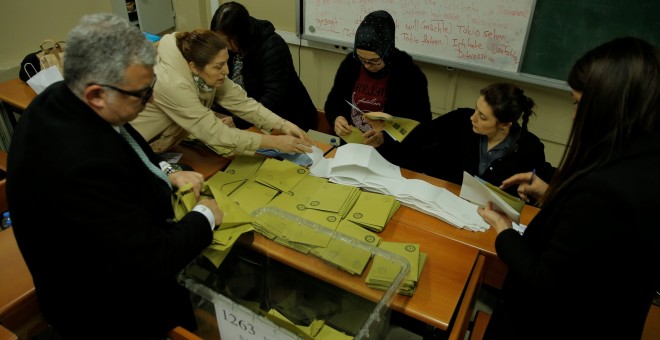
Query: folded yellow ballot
280	175
344	255
252	195
383	272
354	137
397	127
373	210
476	191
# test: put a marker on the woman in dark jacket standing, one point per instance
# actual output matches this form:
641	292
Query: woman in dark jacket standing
260	61
586	267
377	77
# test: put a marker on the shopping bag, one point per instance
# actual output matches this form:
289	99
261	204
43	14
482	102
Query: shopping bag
44	78
50	53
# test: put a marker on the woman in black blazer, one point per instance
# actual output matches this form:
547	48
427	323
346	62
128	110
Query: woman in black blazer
587	266
485	141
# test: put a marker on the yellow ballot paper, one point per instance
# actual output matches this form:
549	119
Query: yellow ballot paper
476	191
233	214
252	195
281	175
383	272
373	210
344	255
354	137
397	127
225	182
243	166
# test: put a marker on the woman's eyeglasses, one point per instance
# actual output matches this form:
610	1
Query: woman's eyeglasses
373	61
143	94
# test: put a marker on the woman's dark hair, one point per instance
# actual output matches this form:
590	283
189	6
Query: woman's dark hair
619	82
508	102
200	46
233	20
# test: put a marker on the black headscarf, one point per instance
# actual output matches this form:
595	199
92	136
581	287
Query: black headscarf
376	34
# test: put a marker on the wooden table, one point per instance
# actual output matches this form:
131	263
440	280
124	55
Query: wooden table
15	95
19	309
495	269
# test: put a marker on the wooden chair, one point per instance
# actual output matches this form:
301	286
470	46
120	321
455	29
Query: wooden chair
180	333
479	325
6	334
462	321
322	124
652	326
3	182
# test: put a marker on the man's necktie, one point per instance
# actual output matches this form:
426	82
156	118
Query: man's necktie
152	167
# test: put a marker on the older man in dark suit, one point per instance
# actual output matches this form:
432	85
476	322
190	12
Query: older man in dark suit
91	209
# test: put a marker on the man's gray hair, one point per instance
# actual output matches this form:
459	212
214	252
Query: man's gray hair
100	49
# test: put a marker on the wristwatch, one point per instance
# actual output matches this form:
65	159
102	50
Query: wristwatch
167	168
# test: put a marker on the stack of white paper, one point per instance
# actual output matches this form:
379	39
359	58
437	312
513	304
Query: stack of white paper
362	166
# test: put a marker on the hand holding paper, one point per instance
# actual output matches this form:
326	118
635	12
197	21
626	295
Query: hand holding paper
397	127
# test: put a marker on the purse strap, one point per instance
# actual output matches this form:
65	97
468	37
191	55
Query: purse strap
33	68
49	46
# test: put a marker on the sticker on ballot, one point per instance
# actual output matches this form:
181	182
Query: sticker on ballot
237	322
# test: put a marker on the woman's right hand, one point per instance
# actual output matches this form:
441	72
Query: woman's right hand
526	190
286	143
342	128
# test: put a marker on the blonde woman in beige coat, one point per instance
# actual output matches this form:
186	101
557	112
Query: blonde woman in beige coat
191	71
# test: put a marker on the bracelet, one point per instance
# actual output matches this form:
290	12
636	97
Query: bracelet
282	125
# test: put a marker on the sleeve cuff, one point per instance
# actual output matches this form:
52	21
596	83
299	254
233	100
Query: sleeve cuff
207	213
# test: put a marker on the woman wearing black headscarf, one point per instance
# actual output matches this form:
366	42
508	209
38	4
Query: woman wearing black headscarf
377	77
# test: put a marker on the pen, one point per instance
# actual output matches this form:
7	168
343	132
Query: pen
327	152
531	179
355	107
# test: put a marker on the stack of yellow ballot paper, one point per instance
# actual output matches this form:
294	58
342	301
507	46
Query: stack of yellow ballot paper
349	257
284	231
383	272
280	175
333	197
245	166
373	210
252	195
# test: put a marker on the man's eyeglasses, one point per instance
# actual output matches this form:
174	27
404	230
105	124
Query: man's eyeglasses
374	61
143	94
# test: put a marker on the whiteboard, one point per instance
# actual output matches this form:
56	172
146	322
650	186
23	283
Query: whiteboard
486	34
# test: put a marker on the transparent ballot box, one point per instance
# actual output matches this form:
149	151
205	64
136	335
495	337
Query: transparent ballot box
303	283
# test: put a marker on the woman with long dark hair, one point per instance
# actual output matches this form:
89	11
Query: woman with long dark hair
587	265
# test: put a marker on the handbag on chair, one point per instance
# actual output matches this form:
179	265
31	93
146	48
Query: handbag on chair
51	53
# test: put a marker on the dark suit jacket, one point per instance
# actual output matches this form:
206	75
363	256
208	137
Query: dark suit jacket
452	147
93	224
587	265
270	78
407	96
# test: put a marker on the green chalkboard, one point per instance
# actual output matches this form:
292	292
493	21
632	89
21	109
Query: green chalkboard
563	30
